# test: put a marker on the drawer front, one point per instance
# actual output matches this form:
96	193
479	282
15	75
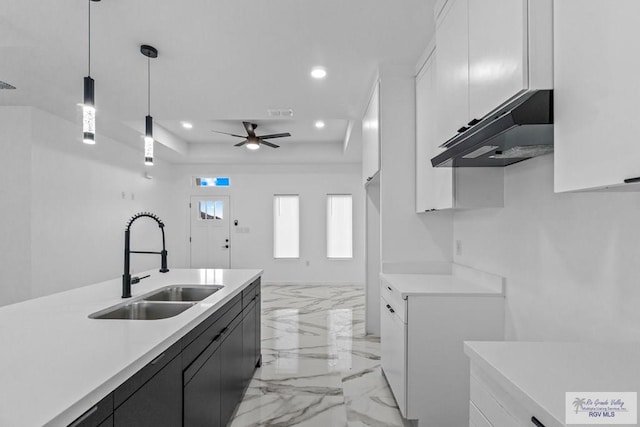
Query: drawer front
488	406
249	293
395	302
97	414
138	379
476	419
191	351
206	324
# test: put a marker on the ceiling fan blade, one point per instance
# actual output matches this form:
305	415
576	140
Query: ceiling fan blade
274	135
230	134
268	144
250	128
240	144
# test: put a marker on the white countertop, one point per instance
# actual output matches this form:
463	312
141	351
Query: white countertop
543	372
56	363
439	285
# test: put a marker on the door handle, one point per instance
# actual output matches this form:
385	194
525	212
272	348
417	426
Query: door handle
225	246
535	422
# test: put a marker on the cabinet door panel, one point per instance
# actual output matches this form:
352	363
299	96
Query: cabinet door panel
157	403
202	394
249	342
258	344
394	354
371	137
425	137
452	69
595	79
497	53
434	186
231	373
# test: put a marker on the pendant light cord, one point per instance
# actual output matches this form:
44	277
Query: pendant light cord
149	85
89	73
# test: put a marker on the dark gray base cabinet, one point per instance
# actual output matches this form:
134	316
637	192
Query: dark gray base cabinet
197	382
156	403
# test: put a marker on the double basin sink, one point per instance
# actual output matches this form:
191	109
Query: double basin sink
160	304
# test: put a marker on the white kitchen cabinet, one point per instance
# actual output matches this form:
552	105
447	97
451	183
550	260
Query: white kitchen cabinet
497	53
371	137
446	188
595	105
452	33
424	320
489	52
434	186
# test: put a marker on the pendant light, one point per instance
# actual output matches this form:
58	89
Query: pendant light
149	52
88	107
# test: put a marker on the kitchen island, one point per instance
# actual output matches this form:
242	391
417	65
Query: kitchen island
57	363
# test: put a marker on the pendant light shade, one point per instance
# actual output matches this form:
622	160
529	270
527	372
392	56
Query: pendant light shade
88	106
89	112
148	141
149	52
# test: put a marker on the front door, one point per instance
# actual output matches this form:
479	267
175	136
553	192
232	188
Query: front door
210	232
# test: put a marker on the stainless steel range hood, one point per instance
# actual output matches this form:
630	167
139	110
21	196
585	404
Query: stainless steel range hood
521	130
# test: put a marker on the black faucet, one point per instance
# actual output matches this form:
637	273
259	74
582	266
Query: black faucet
126	277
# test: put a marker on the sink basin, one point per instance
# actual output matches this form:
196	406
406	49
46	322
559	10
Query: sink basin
182	293
143	310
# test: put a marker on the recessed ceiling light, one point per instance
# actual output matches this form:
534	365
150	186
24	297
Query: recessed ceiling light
187	125
319	124
318	73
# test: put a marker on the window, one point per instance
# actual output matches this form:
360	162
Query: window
339	226
286	226
211	210
221	181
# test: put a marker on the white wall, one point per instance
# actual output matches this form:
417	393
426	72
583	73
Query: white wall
251	194
406	236
15	204
572	261
71	208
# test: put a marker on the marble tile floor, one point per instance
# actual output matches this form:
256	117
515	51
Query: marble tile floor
318	367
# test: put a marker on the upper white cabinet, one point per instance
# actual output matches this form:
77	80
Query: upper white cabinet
446	188
371	137
596	108
497	53
489	52
452	34
434	186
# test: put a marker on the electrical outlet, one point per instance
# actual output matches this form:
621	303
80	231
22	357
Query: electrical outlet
459	247
124	195
308	263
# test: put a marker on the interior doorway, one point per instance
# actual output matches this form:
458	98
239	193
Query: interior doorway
210	232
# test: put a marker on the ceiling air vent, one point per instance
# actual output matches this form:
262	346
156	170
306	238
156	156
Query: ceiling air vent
4	85
280	112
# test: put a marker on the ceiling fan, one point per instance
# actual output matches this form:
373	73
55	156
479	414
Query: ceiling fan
254	141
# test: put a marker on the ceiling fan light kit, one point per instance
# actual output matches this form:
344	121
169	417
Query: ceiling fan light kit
253	141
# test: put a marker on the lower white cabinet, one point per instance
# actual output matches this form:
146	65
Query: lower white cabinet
422	344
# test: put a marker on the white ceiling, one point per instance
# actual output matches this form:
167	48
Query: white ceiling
220	62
